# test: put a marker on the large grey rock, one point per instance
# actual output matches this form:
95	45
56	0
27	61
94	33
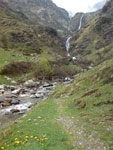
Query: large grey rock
31	83
17	91
39	95
2	99
2	87
15	102
7	94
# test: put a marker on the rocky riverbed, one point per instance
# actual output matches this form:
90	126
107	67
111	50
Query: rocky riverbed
16	100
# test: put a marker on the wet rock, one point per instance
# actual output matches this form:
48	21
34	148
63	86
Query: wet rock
5	104
12	88
49	88
13	96
47	85
32	96
24	95
2	87
41	91
7	94
31	83
15	102
2	99
15	110
8	113
17	91
39	95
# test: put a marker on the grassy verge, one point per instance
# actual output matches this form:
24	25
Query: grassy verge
39	130
77	115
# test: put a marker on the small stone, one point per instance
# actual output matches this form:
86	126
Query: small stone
15	110
39	117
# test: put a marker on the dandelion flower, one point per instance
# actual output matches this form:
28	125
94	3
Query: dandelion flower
17	142
31	136
2	148
26	136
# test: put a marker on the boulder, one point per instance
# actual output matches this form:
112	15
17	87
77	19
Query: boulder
7	94
2	99
15	110
15	102
5	104
31	83
2	87
12	88
32	96
24	95
39	95
17	91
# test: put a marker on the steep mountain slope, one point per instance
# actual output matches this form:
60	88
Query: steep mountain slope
16	33
42	12
87	17
95	40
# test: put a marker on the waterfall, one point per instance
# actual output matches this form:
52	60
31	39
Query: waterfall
68	44
69	38
80	25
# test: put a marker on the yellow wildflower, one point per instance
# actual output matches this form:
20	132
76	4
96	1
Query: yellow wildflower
2	147
35	137
17	142
26	140
16	139
31	136
26	136
46	138
7	145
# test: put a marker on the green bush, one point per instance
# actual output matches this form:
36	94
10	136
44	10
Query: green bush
44	69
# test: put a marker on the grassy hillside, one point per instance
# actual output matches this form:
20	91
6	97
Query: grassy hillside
95	40
41	12
77	115
17	34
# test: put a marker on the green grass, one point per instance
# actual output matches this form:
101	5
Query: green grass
33	126
9	56
73	103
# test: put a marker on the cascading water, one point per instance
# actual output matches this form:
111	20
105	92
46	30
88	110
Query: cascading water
69	38
80	24
68	45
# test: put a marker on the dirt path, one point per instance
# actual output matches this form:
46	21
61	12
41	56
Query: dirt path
80	138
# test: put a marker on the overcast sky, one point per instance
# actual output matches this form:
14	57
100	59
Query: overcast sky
79	5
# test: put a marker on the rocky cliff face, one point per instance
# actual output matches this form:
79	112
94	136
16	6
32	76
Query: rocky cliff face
42	12
75	21
95	40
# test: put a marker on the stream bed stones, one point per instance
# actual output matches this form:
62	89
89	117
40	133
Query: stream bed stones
17	100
